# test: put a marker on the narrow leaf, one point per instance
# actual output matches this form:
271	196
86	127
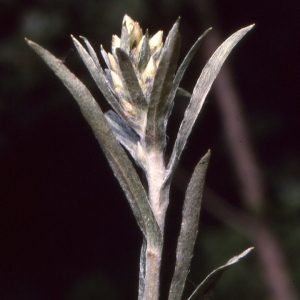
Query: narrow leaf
183	93
155	135
210	281
105	56
121	129
125	39
99	76
189	228
201	89
181	70
126	136
144	53
91	52
131	80
115	154
142	270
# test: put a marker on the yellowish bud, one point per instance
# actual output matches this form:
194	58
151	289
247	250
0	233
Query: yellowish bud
136	34
156	41
150	69
113	63
128	23
117	81
116	42
129	108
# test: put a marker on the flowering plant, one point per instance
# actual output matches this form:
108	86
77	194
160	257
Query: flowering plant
141	83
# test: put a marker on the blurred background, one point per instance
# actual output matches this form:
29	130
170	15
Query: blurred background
66	230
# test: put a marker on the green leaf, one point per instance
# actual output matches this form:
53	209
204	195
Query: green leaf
115	154
204	83
189	228
210	281
155	130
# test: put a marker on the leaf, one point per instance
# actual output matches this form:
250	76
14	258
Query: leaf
155	134
98	75
180	72
189	228
144	53
201	89
121	129
125	136
142	270
131	80
210	281
115	154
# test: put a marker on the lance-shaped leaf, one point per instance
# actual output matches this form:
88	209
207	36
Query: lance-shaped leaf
155	135
189	228
105	56
144	53
92	64
206	286
126	136
129	76
115	154
201	89
180	72
125	38
142	270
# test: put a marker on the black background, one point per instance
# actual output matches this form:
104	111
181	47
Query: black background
67	231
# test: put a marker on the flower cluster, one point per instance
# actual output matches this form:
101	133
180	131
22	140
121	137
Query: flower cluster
140	74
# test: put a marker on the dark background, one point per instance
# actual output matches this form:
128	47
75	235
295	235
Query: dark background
66	230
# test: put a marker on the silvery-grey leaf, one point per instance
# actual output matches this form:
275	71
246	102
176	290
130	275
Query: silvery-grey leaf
131	80
201	89
125	39
144	53
91	52
120	127
155	134
210	281
108	77
189	228
125	135
116	156
105	56
157	53
99	77
142	270
180	72
183	93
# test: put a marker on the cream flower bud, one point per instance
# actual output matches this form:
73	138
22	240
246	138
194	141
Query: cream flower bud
156	41
150	69
117	81
136	34
129	109
116	42
128	23
113	63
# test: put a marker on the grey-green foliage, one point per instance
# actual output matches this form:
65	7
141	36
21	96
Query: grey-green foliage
140	83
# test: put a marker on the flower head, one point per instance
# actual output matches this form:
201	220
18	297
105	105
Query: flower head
140	71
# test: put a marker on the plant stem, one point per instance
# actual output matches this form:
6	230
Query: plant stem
152	276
